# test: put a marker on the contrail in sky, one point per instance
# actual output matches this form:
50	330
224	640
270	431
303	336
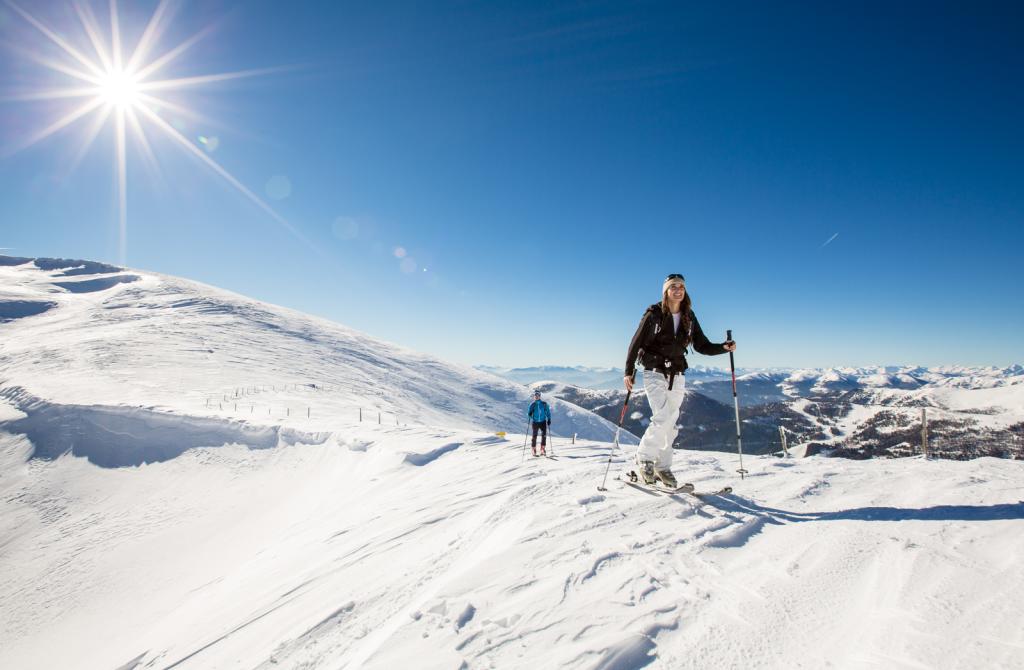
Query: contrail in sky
829	240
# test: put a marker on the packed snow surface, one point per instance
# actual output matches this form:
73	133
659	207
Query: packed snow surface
146	522
390	547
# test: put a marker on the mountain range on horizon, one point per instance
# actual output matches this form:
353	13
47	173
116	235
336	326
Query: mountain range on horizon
875	376
857	412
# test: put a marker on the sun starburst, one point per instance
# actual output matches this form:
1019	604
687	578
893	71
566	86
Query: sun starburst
111	85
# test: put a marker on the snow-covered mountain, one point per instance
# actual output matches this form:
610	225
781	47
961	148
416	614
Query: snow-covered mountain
147	522
600	379
858	412
578	375
785	382
81	338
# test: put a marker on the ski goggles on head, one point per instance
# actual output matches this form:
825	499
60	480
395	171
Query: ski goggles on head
673	280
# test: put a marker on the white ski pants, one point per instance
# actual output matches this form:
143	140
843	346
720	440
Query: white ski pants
656	444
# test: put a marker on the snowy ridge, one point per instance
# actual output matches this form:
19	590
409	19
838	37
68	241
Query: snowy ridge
590	377
906	377
602	379
823	379
141	339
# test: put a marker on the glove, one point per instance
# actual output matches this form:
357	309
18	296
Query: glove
549	423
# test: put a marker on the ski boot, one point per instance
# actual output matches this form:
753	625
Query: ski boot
647	473
667	478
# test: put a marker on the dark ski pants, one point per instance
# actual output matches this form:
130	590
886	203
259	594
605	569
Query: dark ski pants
543	428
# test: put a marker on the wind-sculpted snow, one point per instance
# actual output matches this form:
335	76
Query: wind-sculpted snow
432	455
114	437
74	267
19	309
93	285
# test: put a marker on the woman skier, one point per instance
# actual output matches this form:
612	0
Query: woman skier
659	345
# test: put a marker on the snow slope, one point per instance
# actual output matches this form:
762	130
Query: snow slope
167	346
140	528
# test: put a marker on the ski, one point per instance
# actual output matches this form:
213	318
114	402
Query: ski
633	479
710	494
643	489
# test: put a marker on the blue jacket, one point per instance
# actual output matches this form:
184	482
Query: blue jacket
539	411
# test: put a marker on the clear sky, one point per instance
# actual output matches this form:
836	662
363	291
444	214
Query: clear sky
841	184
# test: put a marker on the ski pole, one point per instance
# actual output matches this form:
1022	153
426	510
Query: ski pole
622	417
526	438
736	403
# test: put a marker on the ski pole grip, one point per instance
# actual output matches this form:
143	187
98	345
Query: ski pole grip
728	335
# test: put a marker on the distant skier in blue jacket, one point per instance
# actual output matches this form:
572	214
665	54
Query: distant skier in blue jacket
540	415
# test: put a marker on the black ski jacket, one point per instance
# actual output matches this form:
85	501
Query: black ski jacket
656	347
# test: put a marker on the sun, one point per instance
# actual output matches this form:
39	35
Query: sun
119	89
122	87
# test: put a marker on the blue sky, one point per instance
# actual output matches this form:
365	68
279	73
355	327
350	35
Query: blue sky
841	185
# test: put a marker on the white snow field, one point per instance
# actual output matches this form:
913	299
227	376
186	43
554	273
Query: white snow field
141	529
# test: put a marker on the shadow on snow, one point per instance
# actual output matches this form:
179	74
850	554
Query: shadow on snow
997	512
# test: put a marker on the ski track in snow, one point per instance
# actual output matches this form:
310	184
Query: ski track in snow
142	529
